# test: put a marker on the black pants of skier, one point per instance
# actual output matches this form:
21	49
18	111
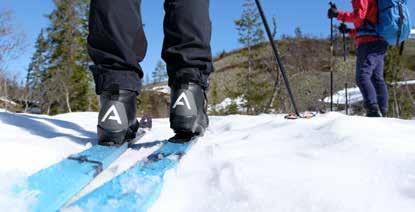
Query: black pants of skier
369	75
117	44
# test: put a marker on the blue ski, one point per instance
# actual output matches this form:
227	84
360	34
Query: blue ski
140	186
54	186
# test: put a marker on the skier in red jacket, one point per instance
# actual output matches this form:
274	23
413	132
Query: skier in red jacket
371	50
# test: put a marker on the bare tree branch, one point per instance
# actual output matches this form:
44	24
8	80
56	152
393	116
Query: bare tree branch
12	41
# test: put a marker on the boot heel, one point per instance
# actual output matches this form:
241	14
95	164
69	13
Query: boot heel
187	110
108	138
183	124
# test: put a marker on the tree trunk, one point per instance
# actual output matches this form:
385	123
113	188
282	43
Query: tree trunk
26	108
67	102
48	110
5	95
26	94
67	99
275	93
89	102
248	79
395	101
396	80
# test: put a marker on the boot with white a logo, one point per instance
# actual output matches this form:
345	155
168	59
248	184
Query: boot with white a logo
188	107
117	121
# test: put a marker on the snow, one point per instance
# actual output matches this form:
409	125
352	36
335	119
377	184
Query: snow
239	102
330	163
354	94
409	82
161	89
4	99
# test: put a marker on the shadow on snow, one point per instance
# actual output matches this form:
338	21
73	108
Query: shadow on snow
35	126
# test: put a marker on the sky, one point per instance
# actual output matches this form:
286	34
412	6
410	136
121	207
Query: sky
309	15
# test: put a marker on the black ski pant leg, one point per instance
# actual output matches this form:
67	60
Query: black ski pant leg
186	47
369	75
116	44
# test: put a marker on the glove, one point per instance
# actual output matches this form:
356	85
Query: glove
344	29
332	12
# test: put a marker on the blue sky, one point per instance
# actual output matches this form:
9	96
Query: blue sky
310	15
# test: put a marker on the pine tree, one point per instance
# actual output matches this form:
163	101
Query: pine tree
37	65
67	55
58	76
83	8
37	70
249	25
298	33
159	74
250	34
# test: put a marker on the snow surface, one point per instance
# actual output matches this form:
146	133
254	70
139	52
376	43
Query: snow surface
330	163
162	89
354	94
239	102
4	99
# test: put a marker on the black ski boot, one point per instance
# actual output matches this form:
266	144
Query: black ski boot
117	121
373	114
188	112
384	112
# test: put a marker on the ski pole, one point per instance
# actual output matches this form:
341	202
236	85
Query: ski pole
401	48
344	47
277	56
347	97
345	85
332	5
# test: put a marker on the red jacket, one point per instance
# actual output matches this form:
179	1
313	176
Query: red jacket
362	10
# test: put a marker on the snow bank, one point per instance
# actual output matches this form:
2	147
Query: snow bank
224	105
354	94
260	163
4	99
161	89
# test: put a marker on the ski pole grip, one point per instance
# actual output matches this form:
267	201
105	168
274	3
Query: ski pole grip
332	5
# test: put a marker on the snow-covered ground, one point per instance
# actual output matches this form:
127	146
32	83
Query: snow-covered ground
354	95
238	102
4	99
331	163
162	89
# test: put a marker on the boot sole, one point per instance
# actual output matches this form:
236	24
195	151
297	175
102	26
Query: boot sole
110	138
187	124
117	138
